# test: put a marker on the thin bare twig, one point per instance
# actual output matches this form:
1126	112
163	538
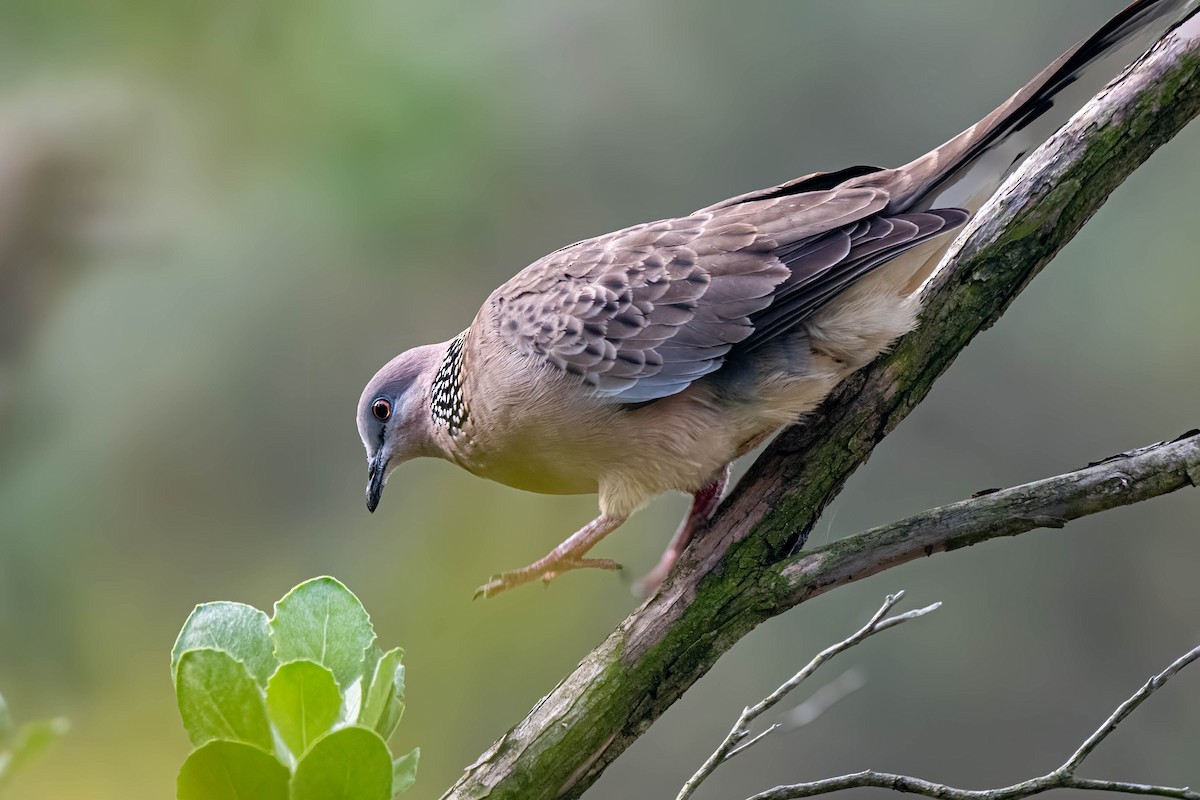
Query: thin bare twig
1125	709
1061	778
735	742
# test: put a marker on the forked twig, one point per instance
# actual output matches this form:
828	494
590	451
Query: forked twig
736	741
1061	778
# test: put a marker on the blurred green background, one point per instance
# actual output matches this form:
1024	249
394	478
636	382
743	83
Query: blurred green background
218	219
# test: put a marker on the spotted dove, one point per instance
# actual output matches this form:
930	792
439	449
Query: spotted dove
649	359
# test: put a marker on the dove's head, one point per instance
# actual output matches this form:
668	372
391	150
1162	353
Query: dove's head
394	415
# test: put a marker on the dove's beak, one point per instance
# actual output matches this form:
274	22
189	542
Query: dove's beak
376	478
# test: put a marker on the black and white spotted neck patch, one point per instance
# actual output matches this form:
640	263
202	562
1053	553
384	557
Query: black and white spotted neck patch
447	404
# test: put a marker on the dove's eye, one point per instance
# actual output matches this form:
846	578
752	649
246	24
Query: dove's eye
381	409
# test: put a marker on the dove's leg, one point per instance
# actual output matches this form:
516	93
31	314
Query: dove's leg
567	556
704	503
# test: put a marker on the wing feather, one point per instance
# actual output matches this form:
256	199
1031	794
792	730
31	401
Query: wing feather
640	314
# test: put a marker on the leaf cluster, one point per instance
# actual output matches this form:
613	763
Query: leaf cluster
295	707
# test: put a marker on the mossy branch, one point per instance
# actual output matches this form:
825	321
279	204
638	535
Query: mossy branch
745	569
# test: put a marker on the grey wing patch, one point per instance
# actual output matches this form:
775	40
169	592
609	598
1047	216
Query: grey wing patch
642	313
825	265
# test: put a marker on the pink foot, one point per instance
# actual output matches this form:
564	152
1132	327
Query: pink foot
567	556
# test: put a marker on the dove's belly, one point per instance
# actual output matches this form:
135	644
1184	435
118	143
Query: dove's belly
626	453
528	468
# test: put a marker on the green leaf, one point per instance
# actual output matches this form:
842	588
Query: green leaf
5	721
404	771
355	694
370	659
239	630
303	701
349	764
384	703
322	621
219	700
231	771
395	709
30	741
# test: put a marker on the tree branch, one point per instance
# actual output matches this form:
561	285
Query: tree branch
744	571
1119	480
1061	778
736	742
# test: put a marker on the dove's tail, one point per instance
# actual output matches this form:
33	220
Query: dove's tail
947	175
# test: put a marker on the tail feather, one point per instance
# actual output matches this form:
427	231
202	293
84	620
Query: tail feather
935	176
947	175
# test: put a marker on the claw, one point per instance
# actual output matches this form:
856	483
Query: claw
490	589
